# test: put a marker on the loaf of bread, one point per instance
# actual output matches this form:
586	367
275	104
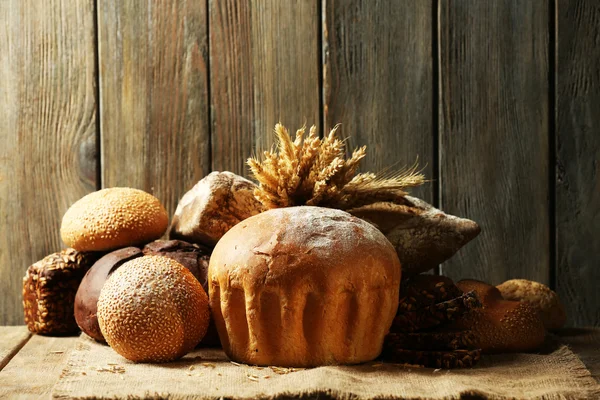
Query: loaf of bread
423	236
303	286
213	206
49	288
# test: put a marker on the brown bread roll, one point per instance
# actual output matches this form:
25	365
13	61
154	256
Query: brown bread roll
539	296
49	288
195	258
152	309
501	326
113	218
86	299
192	256
303	286
216	203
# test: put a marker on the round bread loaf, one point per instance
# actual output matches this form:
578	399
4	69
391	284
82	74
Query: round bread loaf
302	287
152	309
113	218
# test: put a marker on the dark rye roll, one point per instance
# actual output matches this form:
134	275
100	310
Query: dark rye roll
86	300
192	256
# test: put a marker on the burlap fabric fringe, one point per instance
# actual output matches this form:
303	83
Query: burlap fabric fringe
94	371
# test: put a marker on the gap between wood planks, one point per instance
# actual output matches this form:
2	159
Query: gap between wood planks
11	354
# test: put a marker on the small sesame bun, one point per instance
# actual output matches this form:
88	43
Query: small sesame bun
113	218
152	309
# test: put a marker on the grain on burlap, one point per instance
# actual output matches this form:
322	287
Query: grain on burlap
94	371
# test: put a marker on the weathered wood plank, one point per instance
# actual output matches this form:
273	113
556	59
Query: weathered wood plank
12	338
32	373
578	160
264	68
154	96
494	135
378	81
47	131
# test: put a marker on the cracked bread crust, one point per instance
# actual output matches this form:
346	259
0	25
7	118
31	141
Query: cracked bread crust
303	286
214	205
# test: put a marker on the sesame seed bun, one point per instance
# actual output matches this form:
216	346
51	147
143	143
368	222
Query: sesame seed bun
113	218
152	309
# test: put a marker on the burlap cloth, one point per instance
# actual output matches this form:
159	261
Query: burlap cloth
94	371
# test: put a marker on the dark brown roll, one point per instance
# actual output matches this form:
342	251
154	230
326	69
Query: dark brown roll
196	259
86	299
192	256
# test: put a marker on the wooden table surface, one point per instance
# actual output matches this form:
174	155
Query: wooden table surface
30	364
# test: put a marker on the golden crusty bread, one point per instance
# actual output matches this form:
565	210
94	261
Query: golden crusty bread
152	309
303	286
113	218
501	326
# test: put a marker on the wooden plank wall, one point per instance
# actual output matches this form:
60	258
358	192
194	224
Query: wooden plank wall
378	87
498	99
493	59
153	73
48	128
578	159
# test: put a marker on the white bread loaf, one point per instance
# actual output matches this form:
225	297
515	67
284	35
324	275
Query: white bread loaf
303	286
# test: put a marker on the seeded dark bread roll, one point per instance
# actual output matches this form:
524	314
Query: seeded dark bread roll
302	287
420	291
49	288
86	300
195	258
